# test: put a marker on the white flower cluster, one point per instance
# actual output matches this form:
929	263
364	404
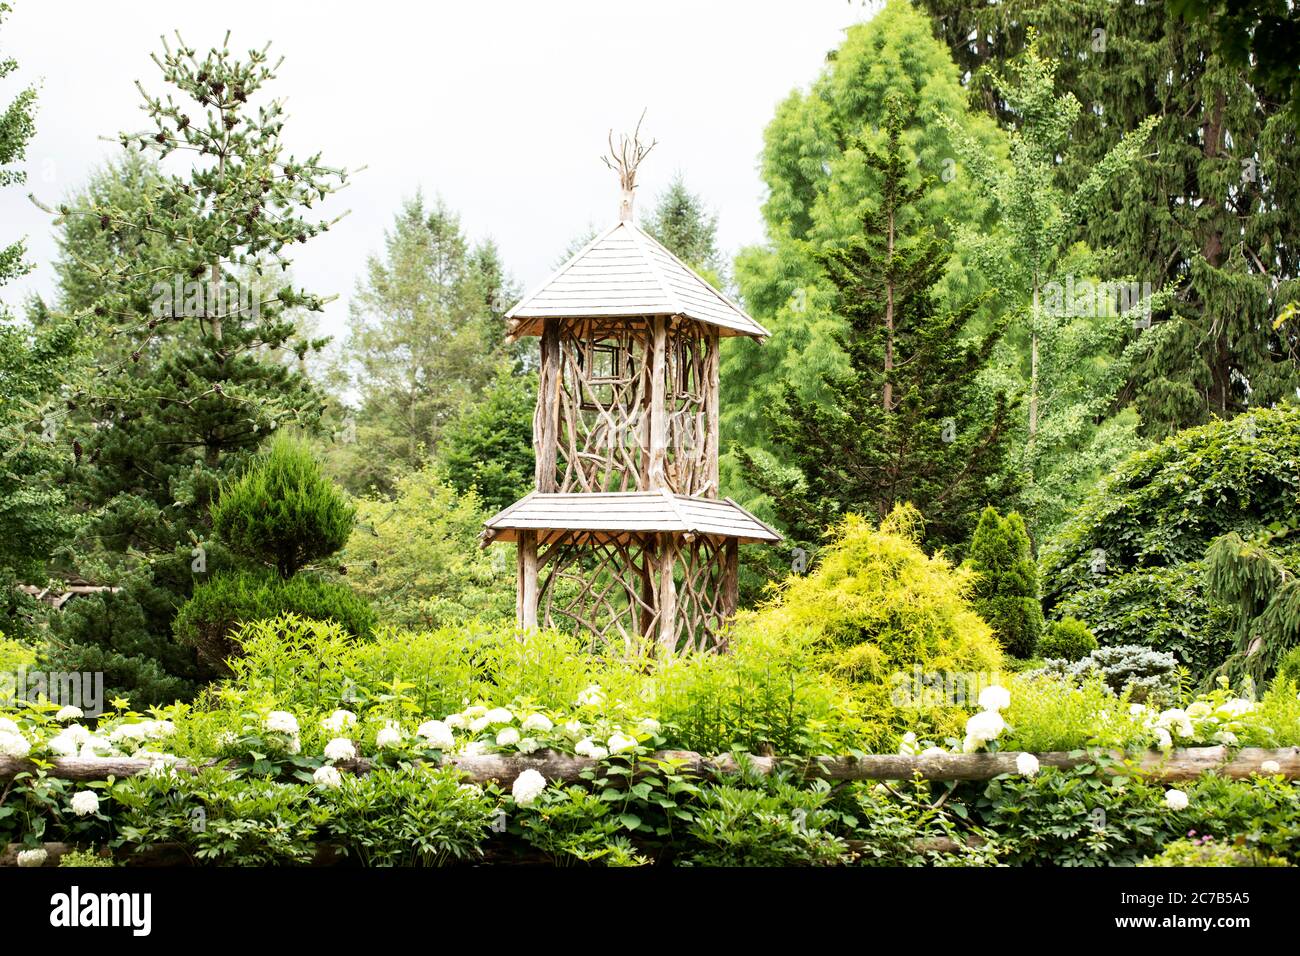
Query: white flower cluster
986	726
13	743
1216	718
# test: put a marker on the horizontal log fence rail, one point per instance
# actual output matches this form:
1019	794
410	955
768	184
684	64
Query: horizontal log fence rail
1175	766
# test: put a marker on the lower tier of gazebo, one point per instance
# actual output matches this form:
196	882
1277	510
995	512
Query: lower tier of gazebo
628	567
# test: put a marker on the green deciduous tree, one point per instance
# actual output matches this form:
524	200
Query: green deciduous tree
1209	209
1028	255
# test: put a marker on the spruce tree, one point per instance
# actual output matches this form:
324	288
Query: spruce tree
902	424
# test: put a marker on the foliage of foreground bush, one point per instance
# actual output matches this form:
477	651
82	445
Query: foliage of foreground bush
876	609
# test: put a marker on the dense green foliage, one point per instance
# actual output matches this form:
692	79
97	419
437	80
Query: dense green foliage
900	424
1129	562
210	620
488	448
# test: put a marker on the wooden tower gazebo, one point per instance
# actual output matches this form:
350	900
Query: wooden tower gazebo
625	535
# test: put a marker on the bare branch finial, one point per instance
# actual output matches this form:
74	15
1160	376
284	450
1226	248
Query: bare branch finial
624	160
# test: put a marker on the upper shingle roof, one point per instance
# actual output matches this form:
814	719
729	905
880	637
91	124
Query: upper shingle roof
623	273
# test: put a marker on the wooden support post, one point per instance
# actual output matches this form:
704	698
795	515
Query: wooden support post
731	578
667	594
712	416
546	420
526	598
658	405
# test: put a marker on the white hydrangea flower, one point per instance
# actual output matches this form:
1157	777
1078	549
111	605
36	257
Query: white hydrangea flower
135	732
478	710
970	745
437	734
508	737
227	738
933	752
1199	709
907	746
35	857
13	744
1176	800
479	724
163	766
1177	721
587	747
84	803
985	726
339	721
69	713
1026	764
7	726
591	697
390	735
473	748
96	746
499	715
63	744
1137	710
573	728
456	721
527	787
618	743
995	697
537	723
281	722
1237	707
649	725
1163	740
529	745
1270	766
328	776
340	748
1226	737
161	728
295	745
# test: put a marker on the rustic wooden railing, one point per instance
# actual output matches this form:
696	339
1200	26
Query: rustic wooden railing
1177	765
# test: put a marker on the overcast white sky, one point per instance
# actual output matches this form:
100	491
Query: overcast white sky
501	107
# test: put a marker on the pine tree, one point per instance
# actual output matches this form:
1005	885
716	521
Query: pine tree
686	227
1209	209
425	335
1006	582
902	424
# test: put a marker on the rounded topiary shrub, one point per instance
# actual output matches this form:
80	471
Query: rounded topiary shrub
1006	582
1067	639
209	621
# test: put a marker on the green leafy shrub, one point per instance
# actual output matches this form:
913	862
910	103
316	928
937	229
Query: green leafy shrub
874	611
86	858
571	825
1078	817
1129	562
1005	591
14	655
1067	639
1054	712
767	823
283	511
1288	668
411	815
220	819
1206	851
209	622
